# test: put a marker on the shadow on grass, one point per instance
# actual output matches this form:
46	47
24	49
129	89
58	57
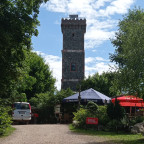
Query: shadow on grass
113	137
119	142
137	141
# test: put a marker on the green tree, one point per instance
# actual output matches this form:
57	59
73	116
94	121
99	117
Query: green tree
60	95
101	83
129	53
35	78
18	23
45	103
115	111
5	118
40	74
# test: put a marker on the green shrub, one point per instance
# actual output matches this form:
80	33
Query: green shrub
92	107
5	119
114	125
80	117
102	116
139	119
91	110
115	111
125	122
136	120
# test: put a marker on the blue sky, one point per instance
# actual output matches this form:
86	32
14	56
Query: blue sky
102	18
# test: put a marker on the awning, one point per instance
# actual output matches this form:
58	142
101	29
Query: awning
128	98
129	101
131	104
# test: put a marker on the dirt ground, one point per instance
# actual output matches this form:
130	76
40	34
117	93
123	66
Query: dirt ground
50	134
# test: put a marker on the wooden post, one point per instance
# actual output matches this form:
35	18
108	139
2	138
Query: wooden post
79	97
135	110
130	110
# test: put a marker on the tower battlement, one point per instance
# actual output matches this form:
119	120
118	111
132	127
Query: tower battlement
74	22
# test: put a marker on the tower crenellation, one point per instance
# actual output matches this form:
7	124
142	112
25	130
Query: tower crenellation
73	22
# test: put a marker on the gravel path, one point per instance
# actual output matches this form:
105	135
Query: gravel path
49	134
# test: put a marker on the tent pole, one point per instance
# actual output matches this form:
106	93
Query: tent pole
135	109
130	110
79	97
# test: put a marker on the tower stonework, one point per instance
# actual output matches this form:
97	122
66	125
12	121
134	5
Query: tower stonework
73	54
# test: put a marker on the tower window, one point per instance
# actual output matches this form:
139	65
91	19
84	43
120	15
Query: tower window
73	67
73	35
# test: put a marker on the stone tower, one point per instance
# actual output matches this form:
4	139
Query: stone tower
73	54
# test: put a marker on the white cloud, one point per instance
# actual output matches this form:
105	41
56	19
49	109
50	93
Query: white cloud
90	60
100	23
100	3
117	7
92	65
96	64
99	67
56	5
55	64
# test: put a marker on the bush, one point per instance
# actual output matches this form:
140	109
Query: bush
5	119
136	120
114	125
115	111
139	119
45	104
92	107
92	110
80	117
102	115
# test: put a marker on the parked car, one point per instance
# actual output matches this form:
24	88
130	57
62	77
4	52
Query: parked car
21	112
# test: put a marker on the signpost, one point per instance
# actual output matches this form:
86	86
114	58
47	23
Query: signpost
90	120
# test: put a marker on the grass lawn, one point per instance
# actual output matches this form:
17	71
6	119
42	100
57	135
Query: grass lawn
121	137
8	131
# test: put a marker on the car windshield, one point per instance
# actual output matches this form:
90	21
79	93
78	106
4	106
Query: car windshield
21	106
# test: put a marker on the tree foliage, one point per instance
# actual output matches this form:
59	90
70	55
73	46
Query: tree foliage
5	118
115	111
35	78
101	83
80	117
18	23
40	79
92	107
45	104
129	53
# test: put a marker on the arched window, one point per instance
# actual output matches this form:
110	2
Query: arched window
73	67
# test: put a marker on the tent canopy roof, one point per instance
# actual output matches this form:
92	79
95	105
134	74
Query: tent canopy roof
89	94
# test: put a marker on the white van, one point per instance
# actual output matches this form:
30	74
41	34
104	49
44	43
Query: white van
21	112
